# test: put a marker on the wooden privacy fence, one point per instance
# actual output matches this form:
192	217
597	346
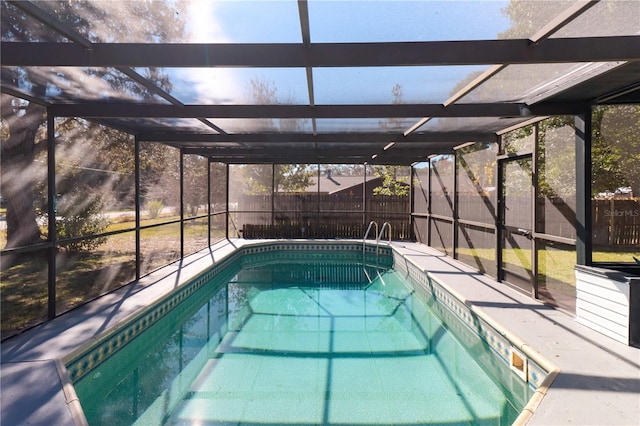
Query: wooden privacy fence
332	228
616	222
321	216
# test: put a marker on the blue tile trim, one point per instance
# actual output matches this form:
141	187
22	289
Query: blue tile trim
468	322
113	341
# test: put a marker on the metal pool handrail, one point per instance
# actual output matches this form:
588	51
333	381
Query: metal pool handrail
384	225
364	240
366	234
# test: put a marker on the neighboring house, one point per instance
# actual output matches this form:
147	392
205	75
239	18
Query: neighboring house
331	184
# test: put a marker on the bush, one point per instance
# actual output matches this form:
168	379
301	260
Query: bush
78	215
153	208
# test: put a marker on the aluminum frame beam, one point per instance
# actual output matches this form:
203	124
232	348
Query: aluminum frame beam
324	158
268	138
121	109
283	151
469	52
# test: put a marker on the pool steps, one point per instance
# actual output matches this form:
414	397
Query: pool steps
385	225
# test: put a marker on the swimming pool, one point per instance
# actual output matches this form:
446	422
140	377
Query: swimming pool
299	337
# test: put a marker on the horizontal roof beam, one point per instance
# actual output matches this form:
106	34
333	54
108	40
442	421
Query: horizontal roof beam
266	138
285	152
470	52
321	157
321	160
115	110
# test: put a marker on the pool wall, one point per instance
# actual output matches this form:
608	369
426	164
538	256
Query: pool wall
532	368
470	324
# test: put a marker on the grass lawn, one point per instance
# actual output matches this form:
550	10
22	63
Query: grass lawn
554	264
86	275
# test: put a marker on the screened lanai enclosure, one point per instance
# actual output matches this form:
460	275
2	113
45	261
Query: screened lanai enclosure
505	134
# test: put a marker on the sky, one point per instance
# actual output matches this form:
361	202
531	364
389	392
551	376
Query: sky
335	22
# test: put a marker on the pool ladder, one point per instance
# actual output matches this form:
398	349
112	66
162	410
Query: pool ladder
385	225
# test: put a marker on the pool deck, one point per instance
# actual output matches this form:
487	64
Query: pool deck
598	383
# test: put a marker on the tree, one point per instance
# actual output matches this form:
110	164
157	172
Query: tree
195	183
614	157
345	169
392	124
20	174
160	174
392	184
527	17
23	139
218	183
556	158
98	158
477	168
616	148
258	179
293	177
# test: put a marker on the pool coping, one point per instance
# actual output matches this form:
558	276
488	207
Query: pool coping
597	379
551	370
34	351
43	349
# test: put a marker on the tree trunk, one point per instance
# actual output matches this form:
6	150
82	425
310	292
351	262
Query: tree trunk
19	177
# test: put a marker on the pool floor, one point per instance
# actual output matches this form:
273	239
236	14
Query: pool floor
306	356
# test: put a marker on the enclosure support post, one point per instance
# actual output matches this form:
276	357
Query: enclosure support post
410	234
137	205
364	198
209	202
584	244
51	212
317	224
181	203
454	214
273	195
499	215
226	228
535	181
429	202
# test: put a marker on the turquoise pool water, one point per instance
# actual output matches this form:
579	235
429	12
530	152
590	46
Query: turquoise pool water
299	342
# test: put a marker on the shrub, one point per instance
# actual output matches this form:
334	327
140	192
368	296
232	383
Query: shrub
78	215
153	208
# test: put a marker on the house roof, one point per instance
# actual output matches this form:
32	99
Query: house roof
331	184
320	81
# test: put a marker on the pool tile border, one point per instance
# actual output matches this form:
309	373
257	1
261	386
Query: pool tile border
82	361
498	339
